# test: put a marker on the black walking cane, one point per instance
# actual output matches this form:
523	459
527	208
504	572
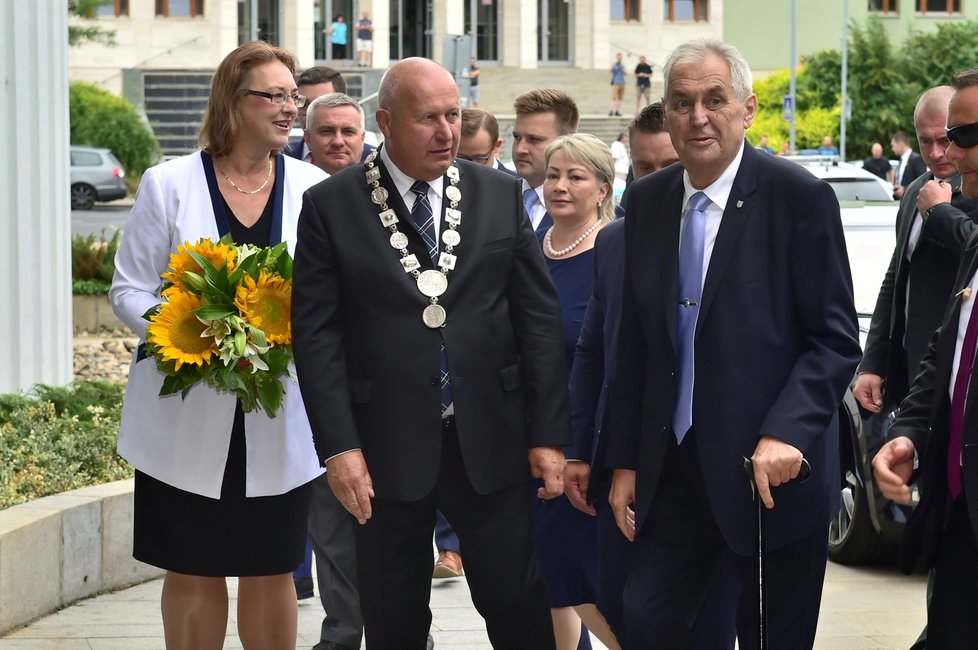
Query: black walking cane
748	468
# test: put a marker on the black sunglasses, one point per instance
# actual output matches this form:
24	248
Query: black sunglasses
964	135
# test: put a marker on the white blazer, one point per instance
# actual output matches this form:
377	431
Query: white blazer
184	442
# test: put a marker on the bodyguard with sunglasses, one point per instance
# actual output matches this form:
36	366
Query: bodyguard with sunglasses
932	224
935	438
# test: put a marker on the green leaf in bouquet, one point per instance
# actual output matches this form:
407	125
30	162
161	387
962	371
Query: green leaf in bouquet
193	280
240	343
270	393
278	360
151	312
214	312
259	335
214	278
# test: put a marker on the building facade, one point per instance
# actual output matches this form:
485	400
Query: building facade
582	34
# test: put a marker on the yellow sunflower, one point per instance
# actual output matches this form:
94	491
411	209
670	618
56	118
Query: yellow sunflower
266	304
217	254
175	331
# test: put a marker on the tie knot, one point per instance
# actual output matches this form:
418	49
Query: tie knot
530	197
699	201
420	188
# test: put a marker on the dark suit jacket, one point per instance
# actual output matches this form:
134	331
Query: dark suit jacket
915	167
294	149
930	275
368	367
924	418
776	343
596	356
503	168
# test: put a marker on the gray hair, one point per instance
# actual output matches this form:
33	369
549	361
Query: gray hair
695	51
332	100
596	156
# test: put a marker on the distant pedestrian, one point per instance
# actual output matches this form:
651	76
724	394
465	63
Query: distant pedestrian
876	163
617	85
827	148
643	84
338	32
365	40
473	83
764	146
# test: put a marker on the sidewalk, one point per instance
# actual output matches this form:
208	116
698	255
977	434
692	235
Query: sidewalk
862	609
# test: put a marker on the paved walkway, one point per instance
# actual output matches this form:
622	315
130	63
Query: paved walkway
862	609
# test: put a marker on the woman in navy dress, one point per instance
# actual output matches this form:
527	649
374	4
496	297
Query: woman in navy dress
578	195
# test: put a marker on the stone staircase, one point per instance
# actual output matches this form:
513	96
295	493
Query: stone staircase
174	100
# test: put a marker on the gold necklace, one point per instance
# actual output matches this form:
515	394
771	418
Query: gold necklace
260	188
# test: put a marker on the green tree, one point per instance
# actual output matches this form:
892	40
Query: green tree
100	119
79	34
931	59
882	94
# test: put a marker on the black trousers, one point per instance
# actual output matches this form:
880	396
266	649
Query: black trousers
680	555
952	614
394	562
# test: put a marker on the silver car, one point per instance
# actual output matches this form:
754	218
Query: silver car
96	175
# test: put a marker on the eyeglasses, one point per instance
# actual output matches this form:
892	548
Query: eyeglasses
482	160
278	97
963	135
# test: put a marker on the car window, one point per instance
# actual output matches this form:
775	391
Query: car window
857	189
85	159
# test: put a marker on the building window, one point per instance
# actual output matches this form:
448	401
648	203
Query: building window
884	6
939	6
625	9
172	8
686	10
113	8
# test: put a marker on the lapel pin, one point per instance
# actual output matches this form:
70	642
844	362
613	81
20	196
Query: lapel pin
740	204
964	294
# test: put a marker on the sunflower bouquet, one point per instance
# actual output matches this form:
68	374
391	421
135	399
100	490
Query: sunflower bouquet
225	321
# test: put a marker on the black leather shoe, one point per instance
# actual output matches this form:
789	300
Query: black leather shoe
303	588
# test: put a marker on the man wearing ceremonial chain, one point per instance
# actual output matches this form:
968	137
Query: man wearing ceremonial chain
427	343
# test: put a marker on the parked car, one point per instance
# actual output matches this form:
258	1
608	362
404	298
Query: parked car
96	175
869	527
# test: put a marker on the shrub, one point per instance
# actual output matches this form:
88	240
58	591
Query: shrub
58	439
100	119
93	263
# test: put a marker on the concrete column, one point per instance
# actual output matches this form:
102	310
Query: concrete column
35	218
520	34
298	35
446	18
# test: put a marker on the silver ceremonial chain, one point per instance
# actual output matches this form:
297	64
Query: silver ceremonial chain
430	283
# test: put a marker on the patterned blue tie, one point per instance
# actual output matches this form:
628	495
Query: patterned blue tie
530	199
690	295
424	220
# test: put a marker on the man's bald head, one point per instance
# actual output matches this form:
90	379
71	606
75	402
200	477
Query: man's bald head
929	119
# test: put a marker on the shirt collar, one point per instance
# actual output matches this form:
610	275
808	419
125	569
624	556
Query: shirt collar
719	191
403	182
538	190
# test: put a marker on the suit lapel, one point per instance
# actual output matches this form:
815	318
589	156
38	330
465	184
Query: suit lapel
970	432
667	232
735	214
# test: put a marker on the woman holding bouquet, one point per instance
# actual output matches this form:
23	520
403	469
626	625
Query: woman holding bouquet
219	491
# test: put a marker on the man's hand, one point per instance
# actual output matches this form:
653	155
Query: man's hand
351	483
547	463
932	193
775	462
868	391
576	476
621	498
892	467
898	192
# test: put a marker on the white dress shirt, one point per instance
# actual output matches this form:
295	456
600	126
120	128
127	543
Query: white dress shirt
403	183
539	208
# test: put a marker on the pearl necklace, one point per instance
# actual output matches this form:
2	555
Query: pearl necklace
267	178
577	242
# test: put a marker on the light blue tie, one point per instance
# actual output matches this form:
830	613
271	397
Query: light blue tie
530	199
690	295
424	220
